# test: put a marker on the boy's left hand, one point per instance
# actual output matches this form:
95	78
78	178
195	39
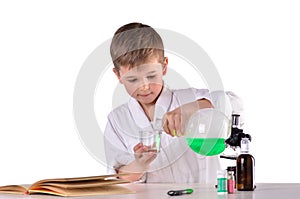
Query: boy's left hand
174	122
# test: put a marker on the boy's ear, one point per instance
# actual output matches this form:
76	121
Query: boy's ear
117	73
165	65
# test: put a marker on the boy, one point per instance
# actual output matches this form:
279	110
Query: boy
137	52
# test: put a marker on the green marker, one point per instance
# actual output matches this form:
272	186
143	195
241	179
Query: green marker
180	192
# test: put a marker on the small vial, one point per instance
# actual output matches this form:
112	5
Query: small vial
230	182
233	169
222	181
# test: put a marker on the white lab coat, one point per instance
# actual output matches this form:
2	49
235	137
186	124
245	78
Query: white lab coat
176	162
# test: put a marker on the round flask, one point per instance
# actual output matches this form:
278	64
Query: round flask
206	132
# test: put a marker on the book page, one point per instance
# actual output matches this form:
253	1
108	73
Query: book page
79	184
100	190
91	181
92	185
15	189
81	179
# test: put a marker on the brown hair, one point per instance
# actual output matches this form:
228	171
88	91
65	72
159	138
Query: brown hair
134	43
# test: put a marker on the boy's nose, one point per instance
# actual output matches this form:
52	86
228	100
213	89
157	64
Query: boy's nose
145	84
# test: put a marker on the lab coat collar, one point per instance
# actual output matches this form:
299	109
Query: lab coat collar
162	106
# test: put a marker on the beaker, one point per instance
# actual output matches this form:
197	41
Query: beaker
151	139
206	132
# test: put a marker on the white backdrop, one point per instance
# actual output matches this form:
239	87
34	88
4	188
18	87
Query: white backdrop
255	46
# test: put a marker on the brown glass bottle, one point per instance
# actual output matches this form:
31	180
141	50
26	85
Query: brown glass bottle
245	168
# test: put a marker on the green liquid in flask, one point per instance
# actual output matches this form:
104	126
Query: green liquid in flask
207	146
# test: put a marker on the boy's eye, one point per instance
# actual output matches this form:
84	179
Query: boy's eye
151	77
132	80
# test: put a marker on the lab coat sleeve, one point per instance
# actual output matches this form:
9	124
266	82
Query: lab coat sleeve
229	103
184	96
202	94
221	102
116	152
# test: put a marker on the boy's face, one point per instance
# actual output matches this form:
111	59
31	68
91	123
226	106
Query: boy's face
143	82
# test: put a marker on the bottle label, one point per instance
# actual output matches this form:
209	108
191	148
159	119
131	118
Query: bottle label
222	185
230	186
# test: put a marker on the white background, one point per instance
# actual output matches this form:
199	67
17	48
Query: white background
255	46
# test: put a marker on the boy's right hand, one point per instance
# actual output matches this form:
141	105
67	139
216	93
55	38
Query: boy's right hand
142	156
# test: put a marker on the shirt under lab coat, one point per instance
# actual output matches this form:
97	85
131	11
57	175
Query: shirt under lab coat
176	162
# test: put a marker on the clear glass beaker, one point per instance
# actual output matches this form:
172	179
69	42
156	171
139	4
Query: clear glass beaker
206	132
151	139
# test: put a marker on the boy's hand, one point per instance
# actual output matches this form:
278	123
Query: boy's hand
142	156
140	165
174	122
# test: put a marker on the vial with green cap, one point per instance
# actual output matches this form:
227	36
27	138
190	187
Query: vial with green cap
222	181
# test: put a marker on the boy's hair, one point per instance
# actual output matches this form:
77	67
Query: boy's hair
134	43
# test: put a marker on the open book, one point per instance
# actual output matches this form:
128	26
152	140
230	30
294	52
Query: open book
81	186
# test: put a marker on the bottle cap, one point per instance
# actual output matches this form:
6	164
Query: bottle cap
231	168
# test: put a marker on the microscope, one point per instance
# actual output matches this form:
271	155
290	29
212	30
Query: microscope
234	141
